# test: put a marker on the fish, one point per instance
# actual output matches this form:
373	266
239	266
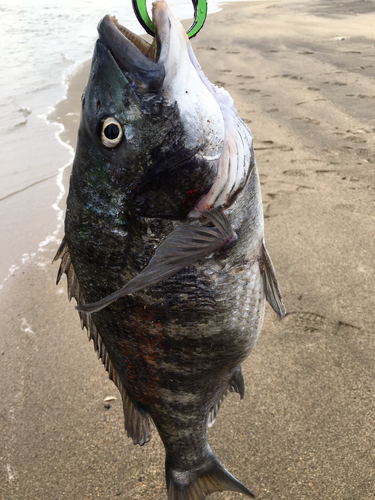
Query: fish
164	243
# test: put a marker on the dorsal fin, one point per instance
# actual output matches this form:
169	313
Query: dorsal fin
138	424
271	285
236	384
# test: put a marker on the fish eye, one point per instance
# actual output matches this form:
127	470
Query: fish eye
111	134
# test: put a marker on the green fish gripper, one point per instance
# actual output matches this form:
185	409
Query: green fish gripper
200	14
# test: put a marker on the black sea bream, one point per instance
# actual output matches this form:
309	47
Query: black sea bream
163	246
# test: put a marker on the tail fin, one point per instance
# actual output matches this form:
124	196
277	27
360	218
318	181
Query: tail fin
197	483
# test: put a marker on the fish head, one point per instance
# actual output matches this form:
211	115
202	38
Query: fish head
151	133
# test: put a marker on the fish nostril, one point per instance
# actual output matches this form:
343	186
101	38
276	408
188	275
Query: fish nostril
139	200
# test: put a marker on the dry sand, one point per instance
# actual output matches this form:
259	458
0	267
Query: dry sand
306	427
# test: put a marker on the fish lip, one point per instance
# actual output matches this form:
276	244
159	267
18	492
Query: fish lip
133	55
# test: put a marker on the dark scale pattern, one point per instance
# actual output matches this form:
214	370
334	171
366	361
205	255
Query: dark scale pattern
173	349
173	346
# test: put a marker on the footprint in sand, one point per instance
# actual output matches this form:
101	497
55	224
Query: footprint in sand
294	172
19	124
322	171
346	207
279	204
272	196
206	48
357	140
360	131
303	322
272	145
313	121
343	329
307	119
292	77
362	152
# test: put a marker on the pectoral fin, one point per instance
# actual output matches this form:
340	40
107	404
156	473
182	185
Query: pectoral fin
273	293
185	245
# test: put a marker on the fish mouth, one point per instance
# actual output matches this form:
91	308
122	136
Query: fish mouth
138	59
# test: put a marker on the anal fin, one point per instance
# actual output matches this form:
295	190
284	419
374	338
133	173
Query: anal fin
236	384
138	424
271	285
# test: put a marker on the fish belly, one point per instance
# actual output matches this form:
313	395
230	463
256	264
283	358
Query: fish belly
177	345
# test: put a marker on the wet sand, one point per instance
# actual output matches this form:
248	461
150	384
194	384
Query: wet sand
302	75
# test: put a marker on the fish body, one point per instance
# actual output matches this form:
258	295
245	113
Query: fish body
163	244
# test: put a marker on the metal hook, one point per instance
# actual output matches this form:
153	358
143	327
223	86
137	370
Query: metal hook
200	14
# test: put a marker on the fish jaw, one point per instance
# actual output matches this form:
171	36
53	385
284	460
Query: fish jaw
133	55
200	112
237	158
188	85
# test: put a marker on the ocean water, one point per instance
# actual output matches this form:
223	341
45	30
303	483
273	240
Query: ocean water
43	42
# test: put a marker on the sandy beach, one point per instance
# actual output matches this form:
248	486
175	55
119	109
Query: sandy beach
302	75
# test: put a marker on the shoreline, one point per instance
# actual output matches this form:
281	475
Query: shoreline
64	119
305	427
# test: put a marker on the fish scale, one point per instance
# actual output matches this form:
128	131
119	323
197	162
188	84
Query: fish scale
163	246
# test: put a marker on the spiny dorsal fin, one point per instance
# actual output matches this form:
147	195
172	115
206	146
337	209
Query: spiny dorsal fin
138	423
185	245
271	285
236	384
